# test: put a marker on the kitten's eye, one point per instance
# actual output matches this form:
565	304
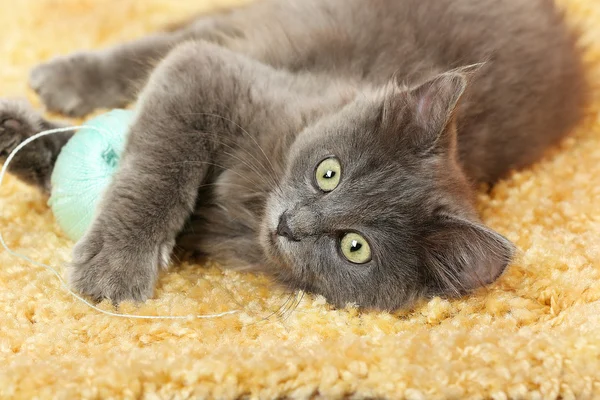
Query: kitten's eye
355	248
328	174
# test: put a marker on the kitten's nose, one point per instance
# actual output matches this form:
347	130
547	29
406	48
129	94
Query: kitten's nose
283	229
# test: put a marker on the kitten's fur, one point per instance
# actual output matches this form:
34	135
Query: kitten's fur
245	104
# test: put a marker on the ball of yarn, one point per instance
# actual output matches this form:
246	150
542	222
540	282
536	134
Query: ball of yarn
84	169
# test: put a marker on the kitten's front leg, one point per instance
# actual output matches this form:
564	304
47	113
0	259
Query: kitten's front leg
185	114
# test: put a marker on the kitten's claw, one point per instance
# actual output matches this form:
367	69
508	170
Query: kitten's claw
105	267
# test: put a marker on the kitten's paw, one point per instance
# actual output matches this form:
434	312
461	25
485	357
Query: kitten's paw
118	269
18	121
72	85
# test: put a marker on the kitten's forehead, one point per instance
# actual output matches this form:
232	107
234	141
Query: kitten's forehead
351	129
378	177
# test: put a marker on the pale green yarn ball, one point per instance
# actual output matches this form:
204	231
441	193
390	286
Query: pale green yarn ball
84	168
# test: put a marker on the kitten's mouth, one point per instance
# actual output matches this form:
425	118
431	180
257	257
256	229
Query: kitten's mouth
278	247
273	248
276	241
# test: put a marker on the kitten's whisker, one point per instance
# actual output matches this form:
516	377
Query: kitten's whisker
230	294
290	306
224	184
215	138
258	173
271	314
250	136
295	305
272	171
209	163
281	311
251	166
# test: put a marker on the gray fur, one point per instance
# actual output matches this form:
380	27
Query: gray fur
244	105
34	162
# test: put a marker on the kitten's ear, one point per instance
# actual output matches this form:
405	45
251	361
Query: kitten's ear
434	101
428	108
464	255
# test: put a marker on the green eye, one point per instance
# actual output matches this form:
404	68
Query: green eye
355	248
328	174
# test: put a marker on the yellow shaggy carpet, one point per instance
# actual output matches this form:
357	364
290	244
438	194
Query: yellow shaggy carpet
534	334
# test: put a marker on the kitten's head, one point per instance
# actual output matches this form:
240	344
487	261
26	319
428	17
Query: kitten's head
374	209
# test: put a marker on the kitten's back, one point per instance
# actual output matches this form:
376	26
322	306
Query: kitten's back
529	94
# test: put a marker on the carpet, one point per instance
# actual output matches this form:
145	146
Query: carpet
535	334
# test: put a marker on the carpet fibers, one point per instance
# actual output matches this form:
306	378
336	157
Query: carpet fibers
535	334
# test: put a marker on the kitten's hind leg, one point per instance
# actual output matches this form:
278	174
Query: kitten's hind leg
33	164
79	83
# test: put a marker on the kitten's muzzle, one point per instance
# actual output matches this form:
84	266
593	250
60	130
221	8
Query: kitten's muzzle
284	230
297	224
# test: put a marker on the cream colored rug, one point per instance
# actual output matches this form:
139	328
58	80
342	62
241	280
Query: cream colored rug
534	334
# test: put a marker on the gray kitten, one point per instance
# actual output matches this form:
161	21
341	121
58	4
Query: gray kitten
333	144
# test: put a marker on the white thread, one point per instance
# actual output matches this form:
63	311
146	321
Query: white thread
54	271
